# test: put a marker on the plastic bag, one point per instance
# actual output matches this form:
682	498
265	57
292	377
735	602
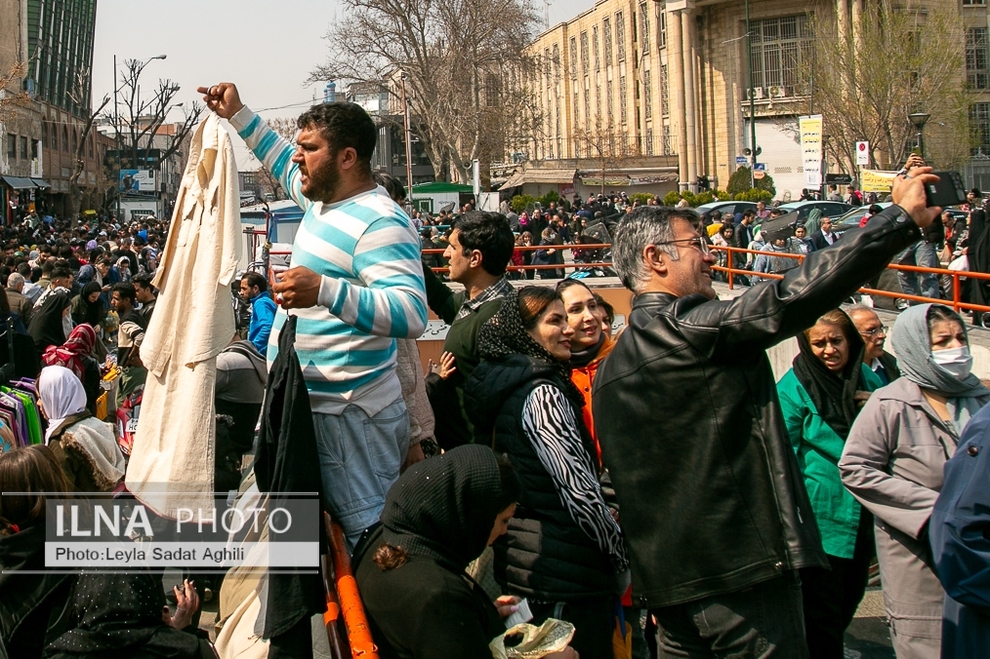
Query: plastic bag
552	636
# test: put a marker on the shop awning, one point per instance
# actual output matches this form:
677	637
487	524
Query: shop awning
41	183
546	176
18	182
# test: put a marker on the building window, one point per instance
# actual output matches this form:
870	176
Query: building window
577	108
598	98
979	127
780	46
585	60
649	142
11	146
664	91
24	147
620	37
556	63
587	105
65	138
622	99
648	94
573	66
665	148
594	47
607	28
661	27
967	3
644	18
35	146
976	58
608	100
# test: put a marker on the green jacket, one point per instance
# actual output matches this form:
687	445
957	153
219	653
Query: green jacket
462	337
818	450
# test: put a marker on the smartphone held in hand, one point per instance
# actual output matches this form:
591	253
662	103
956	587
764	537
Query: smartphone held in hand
949	191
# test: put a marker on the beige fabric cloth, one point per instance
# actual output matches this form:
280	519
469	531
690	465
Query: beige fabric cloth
409	368
172	463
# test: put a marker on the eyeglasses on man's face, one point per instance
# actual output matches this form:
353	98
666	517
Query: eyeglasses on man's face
882	329
697	241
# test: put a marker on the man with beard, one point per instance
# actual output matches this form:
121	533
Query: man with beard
356	285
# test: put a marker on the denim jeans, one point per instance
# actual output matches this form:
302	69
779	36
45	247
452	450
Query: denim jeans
765	620
360	458
921	254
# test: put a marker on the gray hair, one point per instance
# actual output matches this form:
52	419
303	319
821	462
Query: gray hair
859	308
647	225
15	281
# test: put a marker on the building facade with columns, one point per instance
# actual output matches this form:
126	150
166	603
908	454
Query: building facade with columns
640	79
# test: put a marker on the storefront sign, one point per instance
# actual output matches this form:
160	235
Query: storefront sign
811	149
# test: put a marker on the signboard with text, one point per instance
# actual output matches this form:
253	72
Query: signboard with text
810	127
863	154
137	180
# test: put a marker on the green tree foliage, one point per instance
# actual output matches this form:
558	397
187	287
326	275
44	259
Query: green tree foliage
523	201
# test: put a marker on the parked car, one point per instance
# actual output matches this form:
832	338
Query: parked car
832	209
851	219
730	207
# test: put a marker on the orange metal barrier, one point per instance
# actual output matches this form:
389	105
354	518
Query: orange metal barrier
732	272
957	275
355	620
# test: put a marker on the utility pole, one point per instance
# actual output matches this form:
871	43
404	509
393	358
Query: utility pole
752	103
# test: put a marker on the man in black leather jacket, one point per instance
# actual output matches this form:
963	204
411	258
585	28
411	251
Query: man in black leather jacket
715	514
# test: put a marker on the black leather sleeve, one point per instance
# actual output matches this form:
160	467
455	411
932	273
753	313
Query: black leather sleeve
776	310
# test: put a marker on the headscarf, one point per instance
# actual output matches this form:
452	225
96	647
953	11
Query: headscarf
61	392
46	326
85	311
912	343
444	508
70	354
504	335
814	222
833	394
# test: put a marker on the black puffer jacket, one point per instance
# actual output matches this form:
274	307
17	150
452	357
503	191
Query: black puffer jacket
687	414
545	555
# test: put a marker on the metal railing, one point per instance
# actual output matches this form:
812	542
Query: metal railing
732	272
956	275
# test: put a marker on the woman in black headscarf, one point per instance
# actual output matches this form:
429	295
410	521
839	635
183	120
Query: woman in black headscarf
438	517
565	551
50	325
87	307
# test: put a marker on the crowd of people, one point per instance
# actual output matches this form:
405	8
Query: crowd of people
662	477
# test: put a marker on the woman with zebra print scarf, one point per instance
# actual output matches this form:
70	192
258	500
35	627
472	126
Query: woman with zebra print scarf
564	550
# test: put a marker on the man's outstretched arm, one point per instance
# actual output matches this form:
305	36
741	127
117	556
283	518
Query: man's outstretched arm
274	151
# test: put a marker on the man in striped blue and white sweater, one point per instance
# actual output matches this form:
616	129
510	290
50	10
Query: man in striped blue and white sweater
356	284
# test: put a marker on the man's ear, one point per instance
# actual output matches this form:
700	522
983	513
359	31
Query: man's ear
476	258
656	259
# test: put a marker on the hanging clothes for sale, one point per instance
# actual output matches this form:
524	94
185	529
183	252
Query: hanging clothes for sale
171	465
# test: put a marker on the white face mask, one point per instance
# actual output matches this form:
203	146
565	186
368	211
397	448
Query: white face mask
957	361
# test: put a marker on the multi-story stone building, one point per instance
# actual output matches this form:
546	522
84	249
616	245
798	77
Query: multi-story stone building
54	40
628	81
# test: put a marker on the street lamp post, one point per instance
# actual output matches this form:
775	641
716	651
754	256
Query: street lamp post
824	188
407	128
919	119
752	103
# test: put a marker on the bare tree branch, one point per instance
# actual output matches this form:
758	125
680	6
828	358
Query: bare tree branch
902	60
462	60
